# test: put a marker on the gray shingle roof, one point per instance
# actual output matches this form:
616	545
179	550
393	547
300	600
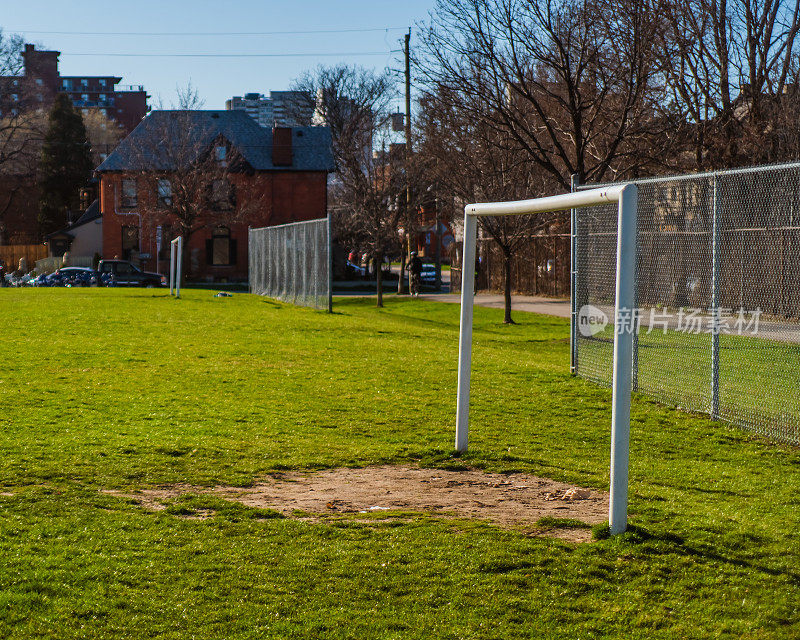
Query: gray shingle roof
164	136
91	214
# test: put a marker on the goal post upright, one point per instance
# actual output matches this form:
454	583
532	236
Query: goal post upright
465	333
625	196
175	265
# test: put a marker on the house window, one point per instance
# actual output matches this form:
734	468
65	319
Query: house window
102	82
84	82
130	241
85	97
85	112
164	193
15	83
221	249
129	199
222	198
66	84
15	97
167	234
38	82
222	155
102	96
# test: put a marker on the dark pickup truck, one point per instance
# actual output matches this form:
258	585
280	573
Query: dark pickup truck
121	273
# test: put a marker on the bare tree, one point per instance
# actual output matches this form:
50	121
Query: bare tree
571	84
22	126
473	162
354	103
731	66
188	97
104	134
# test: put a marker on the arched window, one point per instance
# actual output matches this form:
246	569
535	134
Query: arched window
221	248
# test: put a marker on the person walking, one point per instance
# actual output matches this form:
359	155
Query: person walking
415	269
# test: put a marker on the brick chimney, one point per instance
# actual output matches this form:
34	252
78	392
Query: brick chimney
41	65
282	146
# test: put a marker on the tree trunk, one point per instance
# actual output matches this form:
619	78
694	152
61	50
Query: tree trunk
507	289
379	281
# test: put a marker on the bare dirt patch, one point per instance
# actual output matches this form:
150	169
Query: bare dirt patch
509	500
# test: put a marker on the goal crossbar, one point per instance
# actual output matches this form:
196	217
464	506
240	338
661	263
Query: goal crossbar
624	320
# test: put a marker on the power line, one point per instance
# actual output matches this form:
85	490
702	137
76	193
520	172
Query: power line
204	33
234	55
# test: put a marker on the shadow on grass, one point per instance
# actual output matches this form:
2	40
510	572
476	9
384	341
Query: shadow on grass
637	538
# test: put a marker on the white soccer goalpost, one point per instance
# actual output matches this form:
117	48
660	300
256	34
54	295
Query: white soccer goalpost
175	265
624	321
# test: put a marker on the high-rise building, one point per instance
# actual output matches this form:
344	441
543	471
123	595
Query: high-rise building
278	109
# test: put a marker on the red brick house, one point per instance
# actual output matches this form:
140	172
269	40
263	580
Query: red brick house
259	177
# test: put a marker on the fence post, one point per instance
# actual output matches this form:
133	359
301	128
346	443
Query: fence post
573	274
715	248
330	263
636	320
250	261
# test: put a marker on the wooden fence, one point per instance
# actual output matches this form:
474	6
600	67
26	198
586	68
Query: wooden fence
10	254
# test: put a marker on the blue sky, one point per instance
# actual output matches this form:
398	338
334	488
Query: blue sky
215	78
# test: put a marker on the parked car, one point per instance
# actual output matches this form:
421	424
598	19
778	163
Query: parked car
40	280
122	273
73	277
11	280
428	275
45	280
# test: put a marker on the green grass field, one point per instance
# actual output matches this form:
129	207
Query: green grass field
758	377
110	389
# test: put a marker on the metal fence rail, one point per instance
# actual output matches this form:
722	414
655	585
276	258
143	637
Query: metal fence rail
718	295
292	262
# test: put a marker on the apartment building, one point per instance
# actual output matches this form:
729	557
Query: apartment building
277	109
41	81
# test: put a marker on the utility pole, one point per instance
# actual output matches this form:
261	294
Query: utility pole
409	222
438	239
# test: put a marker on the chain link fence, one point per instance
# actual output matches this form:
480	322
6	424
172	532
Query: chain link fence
292	262
718	295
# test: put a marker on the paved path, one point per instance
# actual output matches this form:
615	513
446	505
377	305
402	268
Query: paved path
532	304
